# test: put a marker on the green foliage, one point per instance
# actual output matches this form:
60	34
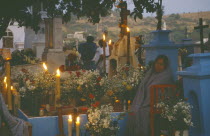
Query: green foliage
20	11
26	56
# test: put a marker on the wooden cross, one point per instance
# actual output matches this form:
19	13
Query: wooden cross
124	17
201	27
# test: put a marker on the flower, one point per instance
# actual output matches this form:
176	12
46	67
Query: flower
110	93
79	88
96	104
124	83
91	96
82	99
78	74
84	109
99	78
100	121
128	87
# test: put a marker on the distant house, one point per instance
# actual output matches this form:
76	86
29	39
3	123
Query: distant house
14	38
77	35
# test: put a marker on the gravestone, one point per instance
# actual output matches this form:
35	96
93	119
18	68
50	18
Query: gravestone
38	43
196	82
119	54
161	45
55	56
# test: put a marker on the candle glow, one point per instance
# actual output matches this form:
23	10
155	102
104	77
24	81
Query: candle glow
45	66
104	37
5	79
128	29
110	42
78	120
117	101
70	118
58	74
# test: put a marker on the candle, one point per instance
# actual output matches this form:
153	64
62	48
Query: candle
8	73
129	104
70	125
104	37
104	50
44	66
5	85
78	126
57	93
110	42
128	46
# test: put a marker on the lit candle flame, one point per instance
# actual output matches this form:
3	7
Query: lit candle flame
58	74
128	29
6	85
5	79
70	117
12	88
117	101
110	42
104	37
45	66
78	120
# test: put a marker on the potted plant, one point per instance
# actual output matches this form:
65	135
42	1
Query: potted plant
100	121
178	114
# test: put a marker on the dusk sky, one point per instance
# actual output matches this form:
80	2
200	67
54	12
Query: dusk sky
181	6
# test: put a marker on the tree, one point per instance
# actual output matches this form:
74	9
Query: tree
27	12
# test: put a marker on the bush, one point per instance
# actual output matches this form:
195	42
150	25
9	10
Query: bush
26	56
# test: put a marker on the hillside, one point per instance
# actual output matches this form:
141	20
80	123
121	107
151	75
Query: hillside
174	22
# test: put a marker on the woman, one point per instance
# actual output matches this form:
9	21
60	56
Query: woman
138	122
17	126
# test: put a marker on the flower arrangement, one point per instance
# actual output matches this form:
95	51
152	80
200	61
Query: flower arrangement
35	89
72	60
82	85
100	121
177	112
124	84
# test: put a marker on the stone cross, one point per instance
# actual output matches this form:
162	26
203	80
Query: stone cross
201	27
124	18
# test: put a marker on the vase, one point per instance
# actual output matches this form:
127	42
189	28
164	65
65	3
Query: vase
182	133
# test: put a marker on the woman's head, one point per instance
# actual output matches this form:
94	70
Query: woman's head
161	63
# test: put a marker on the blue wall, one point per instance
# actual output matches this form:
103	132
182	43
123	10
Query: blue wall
48	125
196	81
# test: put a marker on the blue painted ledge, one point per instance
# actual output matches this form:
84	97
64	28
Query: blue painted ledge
48	125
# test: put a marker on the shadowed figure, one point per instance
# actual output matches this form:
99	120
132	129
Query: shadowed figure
138	121
16	126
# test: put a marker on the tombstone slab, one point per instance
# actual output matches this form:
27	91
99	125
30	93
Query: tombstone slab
196	80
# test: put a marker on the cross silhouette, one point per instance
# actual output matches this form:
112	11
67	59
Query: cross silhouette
201	27
124	17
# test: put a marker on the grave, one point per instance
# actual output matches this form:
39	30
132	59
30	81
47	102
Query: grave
48	125
53	53
161	44
196	81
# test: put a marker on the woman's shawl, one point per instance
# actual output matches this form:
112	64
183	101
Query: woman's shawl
142	98
139	120
17	126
